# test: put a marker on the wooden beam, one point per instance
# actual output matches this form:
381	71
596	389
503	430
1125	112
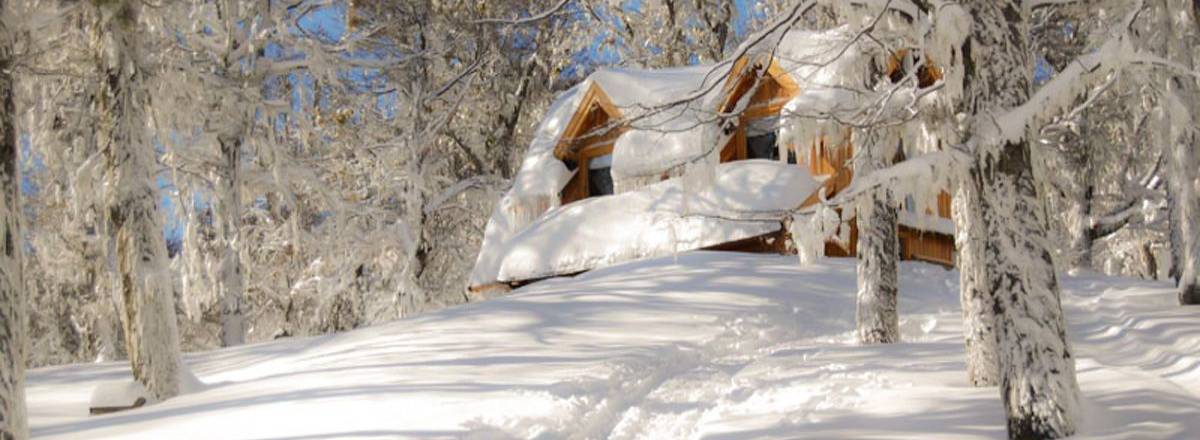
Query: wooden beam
579	126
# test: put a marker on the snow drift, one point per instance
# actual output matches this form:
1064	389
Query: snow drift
704	345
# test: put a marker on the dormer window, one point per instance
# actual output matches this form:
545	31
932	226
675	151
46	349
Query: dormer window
586	147
756	135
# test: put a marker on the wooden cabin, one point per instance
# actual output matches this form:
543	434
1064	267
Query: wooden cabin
594	122
586	147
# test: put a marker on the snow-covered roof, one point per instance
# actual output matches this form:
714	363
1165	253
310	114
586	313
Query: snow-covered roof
816	59
747	199
633	90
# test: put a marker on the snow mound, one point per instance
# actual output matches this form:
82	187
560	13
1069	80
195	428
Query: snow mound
747	199
534	189
121	394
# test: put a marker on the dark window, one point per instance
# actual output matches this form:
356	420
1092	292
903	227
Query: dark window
600	182
766	146
762	147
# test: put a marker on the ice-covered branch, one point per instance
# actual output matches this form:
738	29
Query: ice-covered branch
553	10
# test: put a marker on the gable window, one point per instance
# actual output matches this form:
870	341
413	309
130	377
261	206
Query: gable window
600	181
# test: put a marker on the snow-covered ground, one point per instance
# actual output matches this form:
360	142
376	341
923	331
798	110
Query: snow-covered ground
705	345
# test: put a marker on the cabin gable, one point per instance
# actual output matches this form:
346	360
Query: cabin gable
588	138
772	88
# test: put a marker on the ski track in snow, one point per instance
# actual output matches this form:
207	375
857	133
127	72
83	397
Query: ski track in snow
701	346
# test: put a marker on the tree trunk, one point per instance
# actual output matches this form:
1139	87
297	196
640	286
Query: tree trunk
135	228
878	251
979	320
1079	228
1182	157
13	340
1037	371
229	280
1080	194
1176	248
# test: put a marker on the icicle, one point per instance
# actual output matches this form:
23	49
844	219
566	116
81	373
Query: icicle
953	25
810	231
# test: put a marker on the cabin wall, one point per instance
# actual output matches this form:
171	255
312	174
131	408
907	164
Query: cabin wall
926	246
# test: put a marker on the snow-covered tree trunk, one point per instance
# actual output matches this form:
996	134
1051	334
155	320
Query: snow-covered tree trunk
135	229
1079	230
1037	370
229	281
13	425
1183	113
1079	191
878	249
979	320
1173	238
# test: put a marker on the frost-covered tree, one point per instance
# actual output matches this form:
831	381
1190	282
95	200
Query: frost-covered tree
1036	367
878	244
1102	174
13	340
1181	113
662	33
75	311
980	114
133	220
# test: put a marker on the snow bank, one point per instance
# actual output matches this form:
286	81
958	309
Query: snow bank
703	345
747	199
535	187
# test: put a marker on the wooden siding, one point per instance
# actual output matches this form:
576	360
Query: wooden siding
943	204
928	73
926	246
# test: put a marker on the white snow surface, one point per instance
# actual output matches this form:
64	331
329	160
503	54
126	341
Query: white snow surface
821	59
637	90
705	345
746	199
